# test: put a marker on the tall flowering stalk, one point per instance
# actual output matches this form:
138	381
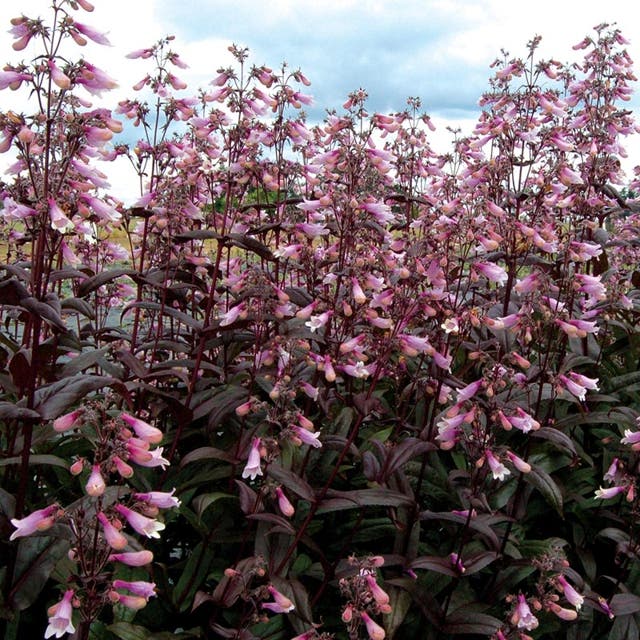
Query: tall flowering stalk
97	525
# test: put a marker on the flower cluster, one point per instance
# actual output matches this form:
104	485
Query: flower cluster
97	531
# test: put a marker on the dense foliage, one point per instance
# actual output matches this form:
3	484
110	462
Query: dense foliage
318	381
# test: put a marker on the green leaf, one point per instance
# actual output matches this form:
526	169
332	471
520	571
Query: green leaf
625	603
54	399
291	481
542	481
185	318
193	575
36	458
560	439
128	631
379	497
95	282
202	502
400	602
402	453
435	563
467	622
84	361
9	411
36	558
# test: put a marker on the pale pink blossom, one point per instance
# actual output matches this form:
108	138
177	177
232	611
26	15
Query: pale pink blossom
609	492
92	34
561	612
358	370
284	504
60	617
130	601
59	220
375	631
498	470
143	525
316	322
160	499
572	596
39	520
491	271
125	470
281	603
95	484
12	79
631	437
252	469
522	617
466	393
577	328
140	588
523	421
578	384
379	594
115	539
133	558
60	79
518	463
612	471
143	430
307	437
145	457
67	421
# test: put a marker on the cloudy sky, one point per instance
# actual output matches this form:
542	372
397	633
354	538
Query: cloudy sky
438	50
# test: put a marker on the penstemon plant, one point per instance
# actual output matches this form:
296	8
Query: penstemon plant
397	389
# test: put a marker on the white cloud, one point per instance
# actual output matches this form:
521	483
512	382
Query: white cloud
438	50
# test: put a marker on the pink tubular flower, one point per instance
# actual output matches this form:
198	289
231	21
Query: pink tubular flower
60	617
281	603
491	271
143	430
146	458
60	79
561	612
307	437
59	220
95	484
252	468
612	471
523	421
375	631
92	34
131	602
125	470
609	492
39	520
140	588
379	594
522	617
160	499
143	525
572	596
578	384
632	438
67	421
284	504
115	539
133	558
468	392
12	79
94	80
518	463
577	328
